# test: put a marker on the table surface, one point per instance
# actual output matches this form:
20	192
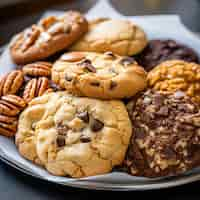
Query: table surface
16	185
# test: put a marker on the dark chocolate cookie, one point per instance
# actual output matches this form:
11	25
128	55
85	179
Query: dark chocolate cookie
158	51
166	138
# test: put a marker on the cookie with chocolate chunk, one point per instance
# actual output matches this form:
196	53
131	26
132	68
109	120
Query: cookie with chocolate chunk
74	136
50	35
166	134
158	51
105	76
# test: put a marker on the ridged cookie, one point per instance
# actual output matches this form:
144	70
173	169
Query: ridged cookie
78	136
104	76
49	36
119	36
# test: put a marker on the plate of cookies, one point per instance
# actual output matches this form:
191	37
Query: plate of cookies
102	101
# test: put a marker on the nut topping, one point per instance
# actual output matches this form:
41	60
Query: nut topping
166	135
8	125
73	57
15	100
8	109
35	87
47	22
12	82
38	69
30	36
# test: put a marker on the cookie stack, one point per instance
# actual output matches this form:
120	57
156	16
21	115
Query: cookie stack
77	121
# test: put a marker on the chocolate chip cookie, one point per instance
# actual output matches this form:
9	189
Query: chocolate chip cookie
119	36
104	76
166	138
74	136
49	36
158	51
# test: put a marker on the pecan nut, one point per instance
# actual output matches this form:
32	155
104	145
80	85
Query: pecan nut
38	69
35	87
15	100
11	83
30	36
8	125
8	109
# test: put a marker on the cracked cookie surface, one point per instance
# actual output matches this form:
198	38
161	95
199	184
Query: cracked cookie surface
119	36
77	136
104	76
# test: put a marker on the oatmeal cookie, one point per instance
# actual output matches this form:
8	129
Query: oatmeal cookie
104	76
119	36
166	134
49	36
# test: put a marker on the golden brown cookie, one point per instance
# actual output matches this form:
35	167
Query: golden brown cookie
74	136
49	36
119	36
104	76
176	75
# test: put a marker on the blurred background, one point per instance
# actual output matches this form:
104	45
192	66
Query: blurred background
17	14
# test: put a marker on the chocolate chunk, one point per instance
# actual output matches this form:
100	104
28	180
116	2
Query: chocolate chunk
96	84
60	140
96	125
85	139
158	99
113	84
84	116
169	153
127	60
62	129
87	64
110	54
164	111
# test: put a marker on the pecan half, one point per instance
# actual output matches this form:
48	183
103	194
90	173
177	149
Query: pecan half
30	36
38	69
15	100
11	83
2	81
8	109
8	125
35	87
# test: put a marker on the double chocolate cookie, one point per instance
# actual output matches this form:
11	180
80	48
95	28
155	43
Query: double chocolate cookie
166	134
158	51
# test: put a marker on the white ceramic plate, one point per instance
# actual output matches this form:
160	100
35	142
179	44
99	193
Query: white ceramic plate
159	26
